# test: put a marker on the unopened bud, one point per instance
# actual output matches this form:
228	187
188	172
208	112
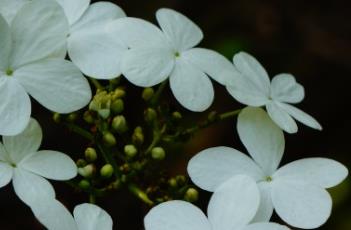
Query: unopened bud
172	182
177	115
119	124
81	163
150	115
138	136
117	106
109	139
147	94
158	153
119	93
106	171
90	154
72	117
88	117
56	117
181	180
213	116
191	195
87	171
130	150
84	184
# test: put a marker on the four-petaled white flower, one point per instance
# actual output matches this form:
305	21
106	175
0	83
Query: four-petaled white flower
155	55
54	216
28	64
250	85
21	162
96	52
231	207
296	191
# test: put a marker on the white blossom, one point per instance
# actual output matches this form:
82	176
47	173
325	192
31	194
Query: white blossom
250	85
21	162
231	207
29	65
156	54
96	52
296	191
54	216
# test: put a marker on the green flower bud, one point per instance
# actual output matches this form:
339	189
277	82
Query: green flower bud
138	136
87	171
90	154
147	94
101	103
84	184
115	81
119	124
150	115
130	150
117	106
119	93
177	115
56	117
172	182
72	117
106	171
104	113
213	116
81	163
88	117
158	153
191	195
109	139
181	180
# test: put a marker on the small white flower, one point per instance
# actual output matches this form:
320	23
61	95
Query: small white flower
296	191
96	52
28	66
21	162
9	8
155	55
250	85
231	207
54	216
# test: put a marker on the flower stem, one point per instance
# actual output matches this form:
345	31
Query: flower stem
82	132
140	194
96	83
156	97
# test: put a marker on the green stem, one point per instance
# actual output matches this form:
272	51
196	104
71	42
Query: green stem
156	97
96	83
156	139
140	194
82	132
110	160
92	198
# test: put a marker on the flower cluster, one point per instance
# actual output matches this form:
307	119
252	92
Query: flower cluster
101	42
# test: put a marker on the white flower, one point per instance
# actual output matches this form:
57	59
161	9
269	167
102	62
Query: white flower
250	85
28	65
296	191
96	52
54	216
231	207
9	8
155	55
21	162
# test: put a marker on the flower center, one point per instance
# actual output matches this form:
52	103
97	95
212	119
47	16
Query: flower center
268	179
177	54
9	72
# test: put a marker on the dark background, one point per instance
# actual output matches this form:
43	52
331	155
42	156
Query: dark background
310	39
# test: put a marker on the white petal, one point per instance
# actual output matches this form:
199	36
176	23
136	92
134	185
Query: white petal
265	226
39	29
74	9
265	210
322	172
136	33
5	44
96	52
284	88
56	84
9	8
212	63
191	87
25	143
176	215
15	107
234	203
212	167
180	30
53	215
262	138
253	72
281	117
301	116
50	164
6	172
31	188
147	66
98	13
300	204
92	217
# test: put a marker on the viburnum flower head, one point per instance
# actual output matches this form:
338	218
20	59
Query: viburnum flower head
155	55
21	162
29	65
250	85
296	191
95	51
231	207
54	216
